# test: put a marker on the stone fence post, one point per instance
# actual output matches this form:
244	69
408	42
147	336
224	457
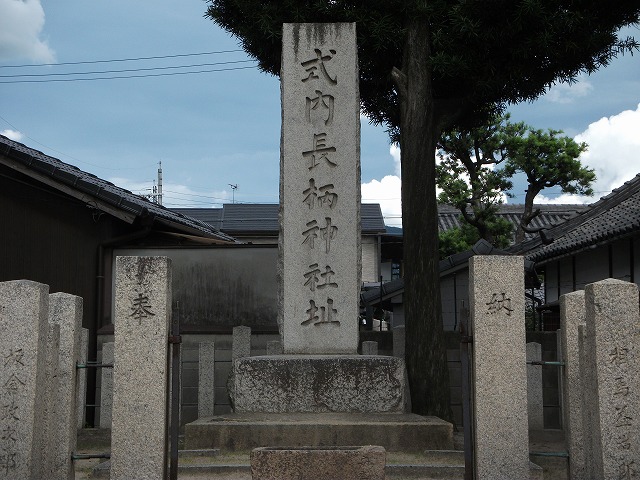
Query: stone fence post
496	295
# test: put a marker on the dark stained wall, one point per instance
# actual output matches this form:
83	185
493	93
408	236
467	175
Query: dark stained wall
219	288
51	238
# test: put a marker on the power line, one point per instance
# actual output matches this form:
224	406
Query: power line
86	62
125	76
98	72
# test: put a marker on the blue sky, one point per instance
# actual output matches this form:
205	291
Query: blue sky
222	127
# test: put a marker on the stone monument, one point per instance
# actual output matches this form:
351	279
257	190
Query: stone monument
612	361
319	390
496	296
319	190
140	373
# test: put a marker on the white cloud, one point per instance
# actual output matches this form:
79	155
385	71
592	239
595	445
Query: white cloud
387	192
21	23
12	134
613	152
568	93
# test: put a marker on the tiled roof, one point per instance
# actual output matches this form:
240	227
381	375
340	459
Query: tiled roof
449	217
611	218
36	164
262	218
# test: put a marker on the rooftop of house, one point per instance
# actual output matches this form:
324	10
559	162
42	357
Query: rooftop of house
240	219
450	217
613	217
99	193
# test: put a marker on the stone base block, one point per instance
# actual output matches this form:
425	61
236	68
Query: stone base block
245	431
319	383
314	463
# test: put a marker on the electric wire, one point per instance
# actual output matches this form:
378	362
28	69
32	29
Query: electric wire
156	57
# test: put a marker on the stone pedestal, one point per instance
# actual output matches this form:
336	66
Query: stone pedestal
106	386
319	383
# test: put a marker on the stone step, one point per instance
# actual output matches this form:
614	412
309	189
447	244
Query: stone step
245	431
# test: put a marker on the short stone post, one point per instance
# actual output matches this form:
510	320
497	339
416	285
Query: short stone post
65	312
534	387
572	315
106	386
241	342
496	295
206	377
23	334
612	364
369	348
140	376
398	341
82	379
47	431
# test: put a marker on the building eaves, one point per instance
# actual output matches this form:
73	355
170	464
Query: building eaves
613	217
98	192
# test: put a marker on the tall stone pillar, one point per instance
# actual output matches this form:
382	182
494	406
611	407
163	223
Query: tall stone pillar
496	296
140	376
612	361
320	240
572	315
24	307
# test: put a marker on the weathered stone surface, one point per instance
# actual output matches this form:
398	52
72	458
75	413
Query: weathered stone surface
274	347
47	435
65	311
572	315
370	348
241	342
404	432
320	244
318	463
534	387
106	386
82	379
206	377
612	364
318	383
24	307
141	330
496	296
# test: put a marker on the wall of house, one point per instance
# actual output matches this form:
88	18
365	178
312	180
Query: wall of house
454	290
218	288
616	260
370	259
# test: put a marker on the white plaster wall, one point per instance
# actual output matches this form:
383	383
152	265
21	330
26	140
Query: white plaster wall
370	260
566	275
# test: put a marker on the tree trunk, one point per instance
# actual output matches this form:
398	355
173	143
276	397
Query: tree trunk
419	130
527	215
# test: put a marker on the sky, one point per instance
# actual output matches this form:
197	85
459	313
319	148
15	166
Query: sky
216	129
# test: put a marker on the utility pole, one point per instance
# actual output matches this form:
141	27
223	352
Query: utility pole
233	192
159	197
